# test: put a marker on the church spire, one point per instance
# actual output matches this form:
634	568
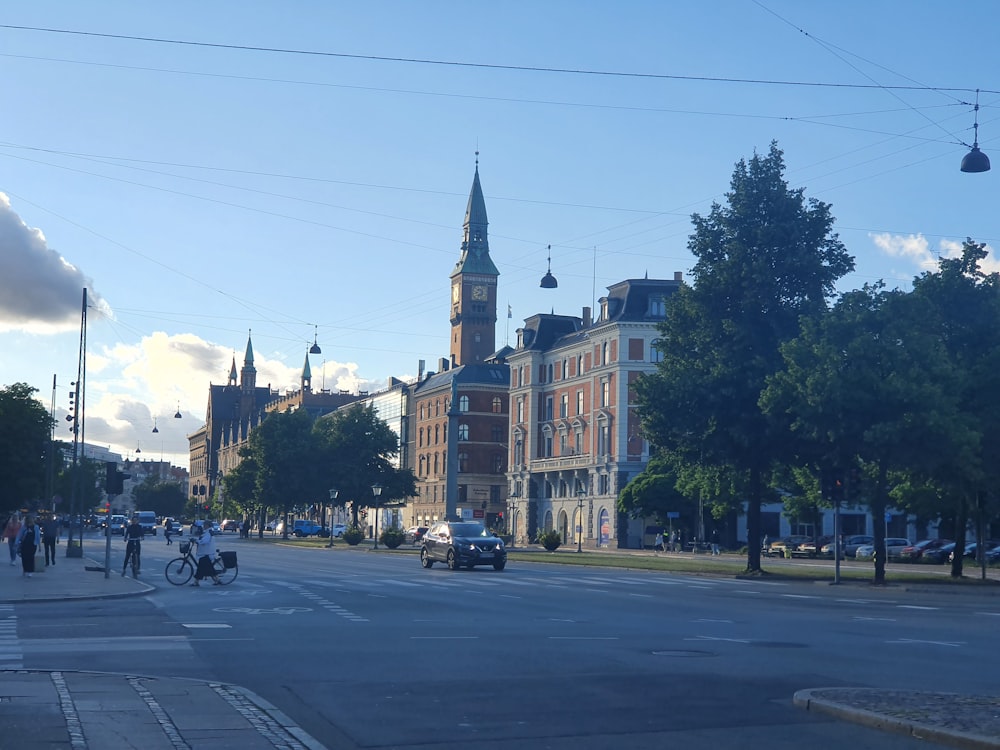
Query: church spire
248	375
306	376
475	256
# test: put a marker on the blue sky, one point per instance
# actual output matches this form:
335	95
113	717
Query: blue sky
205	189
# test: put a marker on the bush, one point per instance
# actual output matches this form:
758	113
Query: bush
392	537
550	540
354	536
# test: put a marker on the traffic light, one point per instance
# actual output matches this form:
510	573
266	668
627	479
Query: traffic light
114	480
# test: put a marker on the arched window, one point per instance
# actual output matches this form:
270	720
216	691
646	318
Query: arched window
497	405
437	434
463	432
435	464
463	403
655	355
420	438
498	463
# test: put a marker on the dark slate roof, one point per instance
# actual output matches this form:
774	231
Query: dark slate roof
475	256
493	375
541	331
629	300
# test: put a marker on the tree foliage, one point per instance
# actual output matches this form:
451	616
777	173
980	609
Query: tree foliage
25	434
764	260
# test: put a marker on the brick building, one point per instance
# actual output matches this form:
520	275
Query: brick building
574	432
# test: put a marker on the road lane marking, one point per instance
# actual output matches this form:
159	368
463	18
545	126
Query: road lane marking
201	625
917	606
918	642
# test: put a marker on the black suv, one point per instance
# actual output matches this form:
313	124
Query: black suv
462	543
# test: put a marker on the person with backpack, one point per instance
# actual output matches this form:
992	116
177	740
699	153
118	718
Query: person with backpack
28	540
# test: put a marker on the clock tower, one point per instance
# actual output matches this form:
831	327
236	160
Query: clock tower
474	287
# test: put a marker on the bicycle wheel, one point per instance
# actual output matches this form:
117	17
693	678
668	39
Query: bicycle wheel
226	575
179	571
135	564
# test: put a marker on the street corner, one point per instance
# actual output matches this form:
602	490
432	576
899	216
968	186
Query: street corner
967	721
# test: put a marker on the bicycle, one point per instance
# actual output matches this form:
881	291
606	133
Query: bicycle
132	556
180	570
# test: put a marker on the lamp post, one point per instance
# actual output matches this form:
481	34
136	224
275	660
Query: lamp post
333	498
376	491
580	492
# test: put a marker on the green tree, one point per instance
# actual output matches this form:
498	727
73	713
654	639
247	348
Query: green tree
764	260
962	308
653	493
284	457
355	451
863	386
163	498
25	435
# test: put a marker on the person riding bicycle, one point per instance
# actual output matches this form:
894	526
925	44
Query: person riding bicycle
133	542
206	555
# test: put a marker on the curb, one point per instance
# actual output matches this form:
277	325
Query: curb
811	701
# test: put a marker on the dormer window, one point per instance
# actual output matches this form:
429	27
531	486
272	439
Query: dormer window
657	307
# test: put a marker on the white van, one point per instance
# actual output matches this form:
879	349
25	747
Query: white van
147	519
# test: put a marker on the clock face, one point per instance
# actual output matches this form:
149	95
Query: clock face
479	293
456	292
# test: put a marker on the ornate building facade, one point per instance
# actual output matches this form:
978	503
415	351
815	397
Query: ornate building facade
574	432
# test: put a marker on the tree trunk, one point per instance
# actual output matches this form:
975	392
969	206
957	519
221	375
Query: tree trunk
878	522
961	521
753	523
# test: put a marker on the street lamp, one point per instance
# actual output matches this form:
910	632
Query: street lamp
580	492
333	498
376	491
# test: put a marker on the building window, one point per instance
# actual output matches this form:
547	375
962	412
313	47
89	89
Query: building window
518	452
564	405
655	354
463	462
548	408
579	364
420	438
605	393
658	307
437	408
435	464
548	446
463	432
520	410
550	373
562	444
497	464
496	433
437	435
497	405
579	442
541	373
463	403
477	337
579	402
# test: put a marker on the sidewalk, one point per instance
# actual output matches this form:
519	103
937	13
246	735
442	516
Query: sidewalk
96	711
99	711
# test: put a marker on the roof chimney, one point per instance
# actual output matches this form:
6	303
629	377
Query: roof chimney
678	276
587	320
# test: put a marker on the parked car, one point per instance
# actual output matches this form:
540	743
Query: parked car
778	546
230	525
941	554
462	544
304	527
812	547
970	550
338	529
914	552
849	547
893	546
415	534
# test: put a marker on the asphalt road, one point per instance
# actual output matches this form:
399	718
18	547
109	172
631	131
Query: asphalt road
367	650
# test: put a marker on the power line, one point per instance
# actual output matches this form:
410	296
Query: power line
490	66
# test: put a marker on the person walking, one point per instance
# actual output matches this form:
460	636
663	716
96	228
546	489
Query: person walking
715	542
658	542
206	556
168	529
50	535
28	540
10	531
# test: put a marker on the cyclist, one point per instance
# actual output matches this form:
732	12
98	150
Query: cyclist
206	555
133	543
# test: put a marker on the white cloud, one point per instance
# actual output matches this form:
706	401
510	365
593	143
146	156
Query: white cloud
916	249
40	291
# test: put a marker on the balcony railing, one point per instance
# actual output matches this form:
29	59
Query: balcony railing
561	462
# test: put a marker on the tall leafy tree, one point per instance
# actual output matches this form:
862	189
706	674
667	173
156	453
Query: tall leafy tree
963	305
863	386
283	454
355	451
25	433
764	260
